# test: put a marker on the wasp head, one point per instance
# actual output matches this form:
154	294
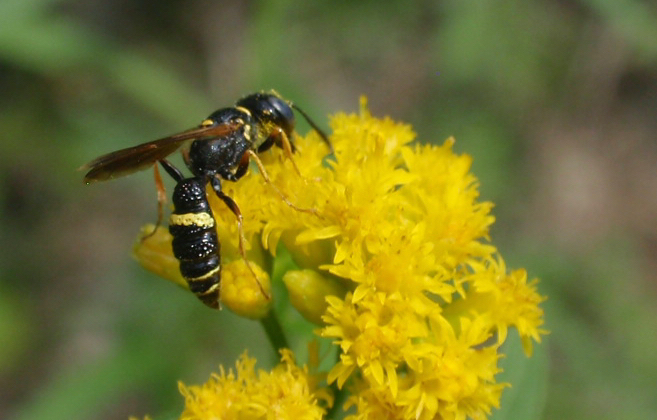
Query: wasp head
269	109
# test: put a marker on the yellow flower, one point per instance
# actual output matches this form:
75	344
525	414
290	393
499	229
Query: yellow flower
240	292
308	291
430	299
508	299
283	393
396	261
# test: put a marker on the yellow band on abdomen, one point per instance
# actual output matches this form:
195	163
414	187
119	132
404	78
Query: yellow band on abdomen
206	275
192	219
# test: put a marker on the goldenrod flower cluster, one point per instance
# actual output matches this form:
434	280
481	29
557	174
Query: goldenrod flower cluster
283	393
395	265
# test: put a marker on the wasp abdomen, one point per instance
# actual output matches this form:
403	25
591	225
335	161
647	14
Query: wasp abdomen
195	243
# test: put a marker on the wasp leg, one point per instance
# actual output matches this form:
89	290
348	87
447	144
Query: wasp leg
232	205
161	191
161	200
264	174
281	140
242	167
268	143
185	155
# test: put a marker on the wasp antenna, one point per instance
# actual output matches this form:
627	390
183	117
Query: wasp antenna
315	127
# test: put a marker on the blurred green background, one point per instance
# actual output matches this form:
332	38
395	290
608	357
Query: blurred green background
555	100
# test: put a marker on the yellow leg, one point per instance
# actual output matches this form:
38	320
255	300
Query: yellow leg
287	149
161	200
232	205
263	171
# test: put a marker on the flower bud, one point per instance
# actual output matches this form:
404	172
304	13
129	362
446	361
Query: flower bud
311	254
244	294
240	291
153	252
308	290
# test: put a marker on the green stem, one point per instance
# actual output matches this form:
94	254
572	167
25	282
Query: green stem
274	331
339	395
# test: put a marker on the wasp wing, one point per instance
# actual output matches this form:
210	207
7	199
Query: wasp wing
137	158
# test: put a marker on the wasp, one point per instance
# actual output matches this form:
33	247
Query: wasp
220	148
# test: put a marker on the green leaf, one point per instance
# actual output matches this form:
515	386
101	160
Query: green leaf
528	376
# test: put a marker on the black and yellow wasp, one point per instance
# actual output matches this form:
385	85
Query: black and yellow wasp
219	148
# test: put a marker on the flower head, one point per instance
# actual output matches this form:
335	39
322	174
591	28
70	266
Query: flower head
282	393
394	243
429	298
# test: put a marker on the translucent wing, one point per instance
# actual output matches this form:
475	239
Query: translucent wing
133	159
